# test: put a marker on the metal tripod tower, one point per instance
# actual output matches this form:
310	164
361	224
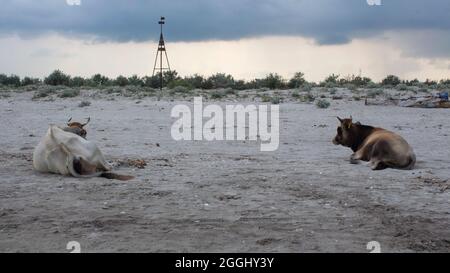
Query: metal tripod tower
159	52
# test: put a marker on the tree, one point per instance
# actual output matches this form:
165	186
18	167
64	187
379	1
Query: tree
57	78
152	81
221	80
297	81
414	82
3	79
121	81
332	79
274	81
29	81
135	80
391	80
13	80
77	82
240	85
430	82
360	81
100	80
207	84
170	76
194	81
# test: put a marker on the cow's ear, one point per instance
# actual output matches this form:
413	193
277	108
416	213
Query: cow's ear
358	123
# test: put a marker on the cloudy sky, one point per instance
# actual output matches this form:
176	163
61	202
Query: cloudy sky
246	38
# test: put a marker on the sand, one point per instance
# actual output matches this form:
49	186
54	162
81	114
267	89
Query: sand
223	196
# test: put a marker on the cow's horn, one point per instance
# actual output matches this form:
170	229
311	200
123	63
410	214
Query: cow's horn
88	120
340	119
70	119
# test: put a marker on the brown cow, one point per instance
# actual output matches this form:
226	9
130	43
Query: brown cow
382	148
77	127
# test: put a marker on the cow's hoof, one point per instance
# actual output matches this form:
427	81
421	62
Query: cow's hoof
379	166
353	160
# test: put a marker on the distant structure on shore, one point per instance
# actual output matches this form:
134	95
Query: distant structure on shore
159	53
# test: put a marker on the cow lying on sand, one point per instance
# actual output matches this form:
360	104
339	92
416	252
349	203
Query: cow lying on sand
382	148
77	127
67	153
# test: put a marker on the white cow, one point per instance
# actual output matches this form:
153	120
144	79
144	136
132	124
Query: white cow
66	153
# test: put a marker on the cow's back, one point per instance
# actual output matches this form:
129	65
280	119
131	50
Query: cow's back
48	156
395	149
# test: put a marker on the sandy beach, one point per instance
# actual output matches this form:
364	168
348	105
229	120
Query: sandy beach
222	196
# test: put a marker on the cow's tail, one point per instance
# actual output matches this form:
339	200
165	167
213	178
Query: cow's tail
121	177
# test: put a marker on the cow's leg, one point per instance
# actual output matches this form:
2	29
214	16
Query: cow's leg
56	161
83	167
102	164
356	157
380	155
378	165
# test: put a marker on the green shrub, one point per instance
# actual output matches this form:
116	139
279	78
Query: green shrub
275	100
375	92
230	91
323	104
350	86
179	89
307	87
372	85
265	98
43	93
308	98
217	94
84	104
69	93
423	90
402	87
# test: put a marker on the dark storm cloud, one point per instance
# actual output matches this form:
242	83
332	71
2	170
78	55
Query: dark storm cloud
327	21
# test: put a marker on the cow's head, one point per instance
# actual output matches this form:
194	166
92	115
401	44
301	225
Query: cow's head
77	127
345	132
350	134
